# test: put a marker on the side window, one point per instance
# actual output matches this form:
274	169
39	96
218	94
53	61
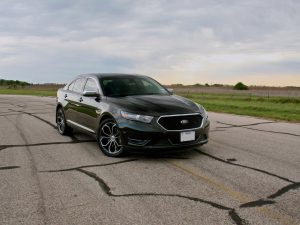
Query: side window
78	86
70	88
91	85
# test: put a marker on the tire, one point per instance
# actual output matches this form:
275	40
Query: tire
109	138
61	124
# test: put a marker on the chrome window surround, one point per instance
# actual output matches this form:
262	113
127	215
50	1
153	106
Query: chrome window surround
86	78
174	115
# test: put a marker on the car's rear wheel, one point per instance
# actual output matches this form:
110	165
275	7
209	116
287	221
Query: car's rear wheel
61	124
109	138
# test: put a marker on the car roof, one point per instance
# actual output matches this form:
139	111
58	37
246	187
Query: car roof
107	75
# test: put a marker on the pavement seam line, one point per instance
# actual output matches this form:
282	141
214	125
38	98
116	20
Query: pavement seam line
34	172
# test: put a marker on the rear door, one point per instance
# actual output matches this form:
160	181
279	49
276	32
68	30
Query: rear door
67	96
75	99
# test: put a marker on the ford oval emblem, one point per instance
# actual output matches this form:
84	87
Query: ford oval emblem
184	122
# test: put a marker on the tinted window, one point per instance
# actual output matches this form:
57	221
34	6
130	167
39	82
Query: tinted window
91	85
78	86
123	86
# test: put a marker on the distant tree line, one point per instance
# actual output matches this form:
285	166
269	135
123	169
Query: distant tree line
13	83
238	86
200	85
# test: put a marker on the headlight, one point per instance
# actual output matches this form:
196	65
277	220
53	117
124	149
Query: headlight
140	118
202	111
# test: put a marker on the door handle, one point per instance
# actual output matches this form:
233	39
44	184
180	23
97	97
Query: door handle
66	95
80	99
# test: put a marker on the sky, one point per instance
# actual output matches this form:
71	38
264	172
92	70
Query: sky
176	41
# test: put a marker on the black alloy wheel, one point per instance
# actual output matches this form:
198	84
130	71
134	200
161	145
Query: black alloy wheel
109	138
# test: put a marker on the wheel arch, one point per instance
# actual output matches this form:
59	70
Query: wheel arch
58	106
106	118
103	117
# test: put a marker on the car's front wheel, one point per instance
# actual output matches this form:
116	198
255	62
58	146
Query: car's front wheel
109	138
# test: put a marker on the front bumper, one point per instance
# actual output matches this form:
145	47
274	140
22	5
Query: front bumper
137	136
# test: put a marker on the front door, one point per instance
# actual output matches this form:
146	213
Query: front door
91	106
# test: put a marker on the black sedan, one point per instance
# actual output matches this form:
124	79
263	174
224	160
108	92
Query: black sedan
130	113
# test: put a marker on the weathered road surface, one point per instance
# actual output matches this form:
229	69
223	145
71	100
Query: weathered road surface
249	173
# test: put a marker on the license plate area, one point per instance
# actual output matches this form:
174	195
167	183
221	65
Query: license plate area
187	136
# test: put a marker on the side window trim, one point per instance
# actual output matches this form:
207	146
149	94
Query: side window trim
70	84
83	79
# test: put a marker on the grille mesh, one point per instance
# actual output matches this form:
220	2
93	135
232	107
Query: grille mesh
180	122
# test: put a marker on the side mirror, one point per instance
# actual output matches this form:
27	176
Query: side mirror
171	90
91	94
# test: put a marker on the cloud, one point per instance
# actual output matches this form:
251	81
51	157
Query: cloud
175	41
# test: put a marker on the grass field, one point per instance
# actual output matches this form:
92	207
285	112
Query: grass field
280	108
36	92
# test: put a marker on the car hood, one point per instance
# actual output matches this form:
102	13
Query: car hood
155	105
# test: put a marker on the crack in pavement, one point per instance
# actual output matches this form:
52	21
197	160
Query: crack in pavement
74	139
45	121
231	160
260	202
106	189
93	165
216	130
257	203
244	125
247	167
280	192
88	166
231	211
9	167
10	114
2	147
250	128
35	116
236	218
15	114
284	190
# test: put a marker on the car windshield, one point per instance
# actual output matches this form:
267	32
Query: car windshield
124	86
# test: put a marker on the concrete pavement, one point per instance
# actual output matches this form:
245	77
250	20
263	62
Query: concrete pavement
249	173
